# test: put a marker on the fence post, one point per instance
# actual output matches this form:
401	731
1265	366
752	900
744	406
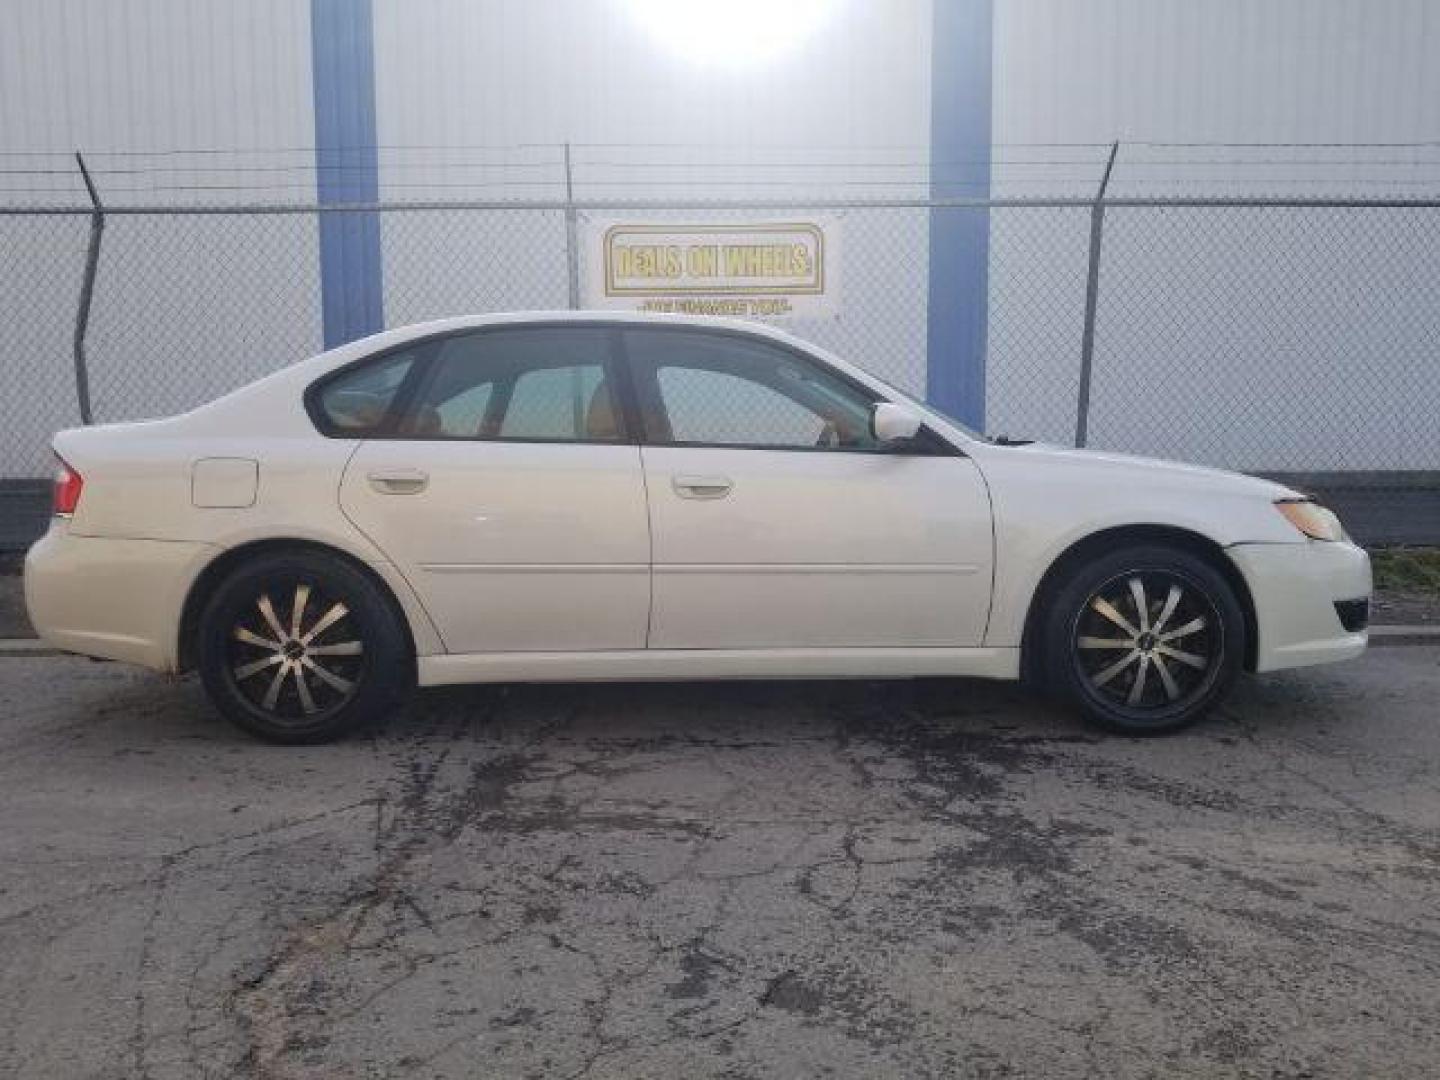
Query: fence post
1092	293
87	293
572	252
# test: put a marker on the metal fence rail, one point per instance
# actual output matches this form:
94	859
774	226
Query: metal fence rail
1276	335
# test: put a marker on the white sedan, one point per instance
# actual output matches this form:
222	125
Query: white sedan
585	496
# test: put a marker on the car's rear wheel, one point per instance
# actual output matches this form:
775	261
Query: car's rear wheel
296	647
1145	639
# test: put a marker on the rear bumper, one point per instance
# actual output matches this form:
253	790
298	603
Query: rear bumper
1295	588
111	598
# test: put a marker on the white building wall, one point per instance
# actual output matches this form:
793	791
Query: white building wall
1347	71
173	102
474	98
1274	339
153	75
513	72
844	113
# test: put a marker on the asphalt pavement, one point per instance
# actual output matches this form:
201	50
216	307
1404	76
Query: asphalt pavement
765	880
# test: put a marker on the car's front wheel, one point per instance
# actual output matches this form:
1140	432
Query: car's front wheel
296	647
1145	639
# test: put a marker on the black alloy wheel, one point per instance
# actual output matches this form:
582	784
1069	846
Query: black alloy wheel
299	647
1147	639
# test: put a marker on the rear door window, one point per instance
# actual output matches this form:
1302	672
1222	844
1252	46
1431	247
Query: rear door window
549	384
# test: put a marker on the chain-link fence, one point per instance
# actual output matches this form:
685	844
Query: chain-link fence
41	268
1271	336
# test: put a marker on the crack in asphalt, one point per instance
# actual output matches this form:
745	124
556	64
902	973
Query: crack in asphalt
955	779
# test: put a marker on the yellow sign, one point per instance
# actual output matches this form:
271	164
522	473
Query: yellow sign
733	269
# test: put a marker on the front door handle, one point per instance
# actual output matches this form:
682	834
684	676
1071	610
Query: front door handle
398	481
702	487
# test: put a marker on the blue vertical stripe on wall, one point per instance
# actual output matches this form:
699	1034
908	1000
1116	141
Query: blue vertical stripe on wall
346	167
960	76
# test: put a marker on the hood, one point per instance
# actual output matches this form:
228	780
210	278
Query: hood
1136	469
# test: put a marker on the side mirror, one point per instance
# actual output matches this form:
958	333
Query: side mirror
892	423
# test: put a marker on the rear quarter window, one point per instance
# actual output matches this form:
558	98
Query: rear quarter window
359	401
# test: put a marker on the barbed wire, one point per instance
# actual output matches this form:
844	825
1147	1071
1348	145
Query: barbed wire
406	170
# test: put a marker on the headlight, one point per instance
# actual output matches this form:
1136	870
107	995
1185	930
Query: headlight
1312	519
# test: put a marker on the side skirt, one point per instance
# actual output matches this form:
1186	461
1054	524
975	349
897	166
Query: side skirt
660	665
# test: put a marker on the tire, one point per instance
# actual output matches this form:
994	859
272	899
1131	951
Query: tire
349	665
1184	653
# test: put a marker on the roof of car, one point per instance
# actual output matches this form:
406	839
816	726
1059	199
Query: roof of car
400	334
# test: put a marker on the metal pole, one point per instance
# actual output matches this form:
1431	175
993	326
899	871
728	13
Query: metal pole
1092	293
572	249
87	293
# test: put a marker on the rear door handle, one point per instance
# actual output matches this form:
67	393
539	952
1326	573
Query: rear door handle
702	487
398	481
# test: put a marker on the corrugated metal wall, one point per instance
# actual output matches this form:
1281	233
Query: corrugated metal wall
459	73
179	102
138	75
1217	70
1273	339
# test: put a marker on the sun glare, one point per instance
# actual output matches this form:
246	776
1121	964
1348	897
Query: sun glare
731	33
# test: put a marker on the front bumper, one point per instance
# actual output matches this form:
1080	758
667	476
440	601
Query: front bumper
119	599
1295	588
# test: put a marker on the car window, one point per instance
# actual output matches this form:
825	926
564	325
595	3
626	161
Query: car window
707	406
463	413
553	402
358	401
726	390
546	383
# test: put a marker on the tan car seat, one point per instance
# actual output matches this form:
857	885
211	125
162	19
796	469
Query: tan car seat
600	419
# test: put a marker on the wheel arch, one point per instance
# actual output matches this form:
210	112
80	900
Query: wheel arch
1032	658
214	572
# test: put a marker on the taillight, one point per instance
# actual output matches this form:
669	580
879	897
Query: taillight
68	484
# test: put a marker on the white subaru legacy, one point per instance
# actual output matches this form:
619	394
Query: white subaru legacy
587	496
